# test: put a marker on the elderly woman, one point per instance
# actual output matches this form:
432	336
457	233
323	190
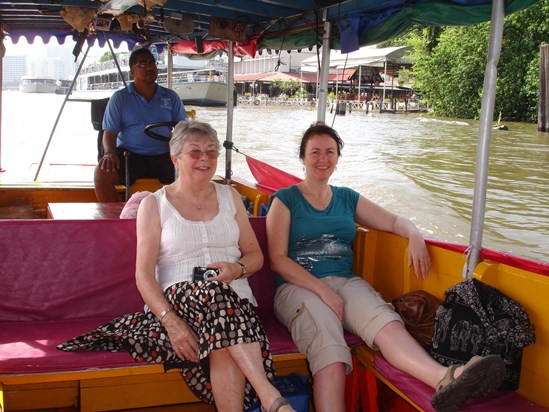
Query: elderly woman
204	325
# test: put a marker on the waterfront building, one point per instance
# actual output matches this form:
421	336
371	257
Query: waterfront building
13	68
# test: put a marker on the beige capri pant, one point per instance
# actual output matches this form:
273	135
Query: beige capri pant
318	332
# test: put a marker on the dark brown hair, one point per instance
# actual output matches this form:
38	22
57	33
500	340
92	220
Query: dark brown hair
316	129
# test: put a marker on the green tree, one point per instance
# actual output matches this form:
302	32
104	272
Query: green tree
105	57
451	77
518	71
276	87
450	63
288	87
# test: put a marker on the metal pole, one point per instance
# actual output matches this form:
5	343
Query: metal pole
384	81
59	114
485	131
169	71
543	89
2	52
230	110
359	83
115	60
324	70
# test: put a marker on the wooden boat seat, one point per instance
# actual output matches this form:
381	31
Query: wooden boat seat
374	366
525	281
62	278
84	210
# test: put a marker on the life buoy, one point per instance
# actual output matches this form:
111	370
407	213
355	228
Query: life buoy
256	102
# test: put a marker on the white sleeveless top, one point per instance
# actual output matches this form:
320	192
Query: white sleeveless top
185	244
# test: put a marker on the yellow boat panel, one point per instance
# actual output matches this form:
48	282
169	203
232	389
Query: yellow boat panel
381	258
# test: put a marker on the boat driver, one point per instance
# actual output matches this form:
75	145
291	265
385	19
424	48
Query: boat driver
129	110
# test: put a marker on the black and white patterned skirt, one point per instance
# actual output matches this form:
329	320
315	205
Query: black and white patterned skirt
218	316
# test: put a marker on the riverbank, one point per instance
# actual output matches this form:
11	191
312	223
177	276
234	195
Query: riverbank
340	106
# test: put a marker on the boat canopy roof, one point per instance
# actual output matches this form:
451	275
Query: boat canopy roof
368	56
252	25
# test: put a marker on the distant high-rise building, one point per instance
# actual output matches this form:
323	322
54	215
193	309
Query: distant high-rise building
59	64
67	68
14	67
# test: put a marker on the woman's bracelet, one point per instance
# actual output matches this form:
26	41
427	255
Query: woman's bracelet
244	269
164	313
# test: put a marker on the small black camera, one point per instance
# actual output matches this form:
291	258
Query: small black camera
202	273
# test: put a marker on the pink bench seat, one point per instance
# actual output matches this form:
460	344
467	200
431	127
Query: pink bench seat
62	278
420	394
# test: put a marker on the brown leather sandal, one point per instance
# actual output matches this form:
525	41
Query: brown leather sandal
277	404
480	376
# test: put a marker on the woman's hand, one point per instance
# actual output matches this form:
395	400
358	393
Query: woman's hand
418	256
227	271
183	339
333	301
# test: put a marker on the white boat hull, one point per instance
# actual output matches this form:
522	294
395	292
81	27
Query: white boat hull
38	86
202	93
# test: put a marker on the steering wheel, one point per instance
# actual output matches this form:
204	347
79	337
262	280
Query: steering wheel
149	132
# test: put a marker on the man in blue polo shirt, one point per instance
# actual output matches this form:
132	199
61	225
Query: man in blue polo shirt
129	110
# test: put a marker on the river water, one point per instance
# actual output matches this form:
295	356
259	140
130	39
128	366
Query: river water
416	166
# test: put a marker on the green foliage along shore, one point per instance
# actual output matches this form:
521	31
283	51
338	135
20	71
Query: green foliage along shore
450	62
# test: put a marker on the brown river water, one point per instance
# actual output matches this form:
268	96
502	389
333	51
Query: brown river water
414	165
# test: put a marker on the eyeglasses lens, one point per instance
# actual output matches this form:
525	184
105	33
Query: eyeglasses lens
144	64
197	154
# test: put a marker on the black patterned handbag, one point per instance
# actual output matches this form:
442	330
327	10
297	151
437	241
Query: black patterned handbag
477	319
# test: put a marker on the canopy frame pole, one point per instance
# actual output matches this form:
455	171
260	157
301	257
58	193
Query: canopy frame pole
384	82
230	111
2	53
115	60
485	131
324	70
169	70
59	114
359	82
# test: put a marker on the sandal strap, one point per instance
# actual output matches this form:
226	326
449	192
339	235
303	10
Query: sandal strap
448	378
277	404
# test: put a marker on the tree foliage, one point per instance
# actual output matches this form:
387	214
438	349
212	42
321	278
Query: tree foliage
288	87
105	57
450	63
451	77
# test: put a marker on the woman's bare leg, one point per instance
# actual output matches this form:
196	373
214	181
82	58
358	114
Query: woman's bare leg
247	356
403	352
227	382
329	388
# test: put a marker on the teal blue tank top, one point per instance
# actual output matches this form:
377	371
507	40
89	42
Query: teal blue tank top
321	240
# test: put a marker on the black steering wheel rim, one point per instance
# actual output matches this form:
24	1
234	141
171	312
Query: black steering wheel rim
151	133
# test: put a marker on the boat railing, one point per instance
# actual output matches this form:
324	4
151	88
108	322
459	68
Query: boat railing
192	77
350	105
106	86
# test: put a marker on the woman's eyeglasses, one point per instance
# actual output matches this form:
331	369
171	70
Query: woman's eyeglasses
197	154
144	64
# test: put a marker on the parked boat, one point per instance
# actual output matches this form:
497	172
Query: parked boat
205	87
37	85
197	87
63	86
381	258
